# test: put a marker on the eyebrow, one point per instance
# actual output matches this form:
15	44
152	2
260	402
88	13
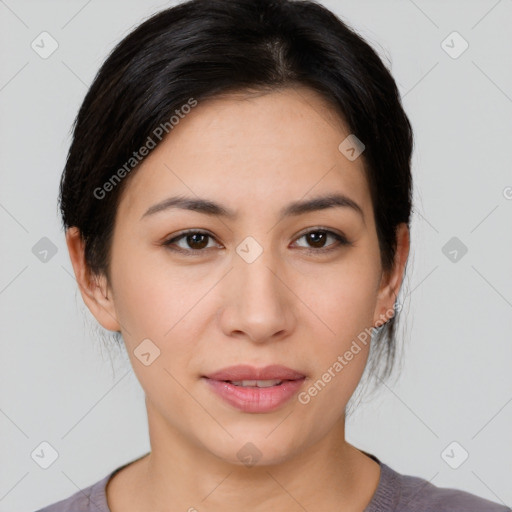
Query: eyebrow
295	208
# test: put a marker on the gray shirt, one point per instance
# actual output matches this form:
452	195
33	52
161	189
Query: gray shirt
395	493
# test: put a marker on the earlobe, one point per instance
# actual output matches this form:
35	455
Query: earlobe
93	288
392	281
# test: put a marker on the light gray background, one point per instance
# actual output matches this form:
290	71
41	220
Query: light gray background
60	385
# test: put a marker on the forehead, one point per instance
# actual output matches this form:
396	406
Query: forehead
268	148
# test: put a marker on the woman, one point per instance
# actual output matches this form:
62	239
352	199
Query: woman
237	199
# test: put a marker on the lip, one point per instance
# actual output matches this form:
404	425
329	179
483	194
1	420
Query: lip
246	372
253	399
256	400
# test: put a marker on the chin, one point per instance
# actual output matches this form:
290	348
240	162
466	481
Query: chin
257	449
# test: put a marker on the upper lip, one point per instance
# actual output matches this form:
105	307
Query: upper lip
246	372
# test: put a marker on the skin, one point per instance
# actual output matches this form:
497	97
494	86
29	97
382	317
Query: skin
253	154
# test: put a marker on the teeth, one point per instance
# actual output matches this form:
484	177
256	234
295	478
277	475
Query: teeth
256	383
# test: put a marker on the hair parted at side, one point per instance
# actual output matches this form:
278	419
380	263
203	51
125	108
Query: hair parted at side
202	48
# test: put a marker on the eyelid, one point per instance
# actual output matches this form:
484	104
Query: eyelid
314	229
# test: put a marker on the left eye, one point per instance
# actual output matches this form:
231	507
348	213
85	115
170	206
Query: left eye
319	236
198	240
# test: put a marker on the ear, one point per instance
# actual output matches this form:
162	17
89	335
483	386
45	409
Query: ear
391	281
94	289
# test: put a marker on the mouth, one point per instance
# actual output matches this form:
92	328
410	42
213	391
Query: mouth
255	390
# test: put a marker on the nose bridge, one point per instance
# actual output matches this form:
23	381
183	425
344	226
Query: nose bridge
256	268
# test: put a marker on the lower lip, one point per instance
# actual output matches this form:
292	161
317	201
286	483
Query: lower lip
252	399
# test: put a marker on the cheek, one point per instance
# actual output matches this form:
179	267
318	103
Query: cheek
156	310
162	305
345	305
151	301
343	298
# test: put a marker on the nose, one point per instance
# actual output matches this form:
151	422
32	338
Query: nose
258	304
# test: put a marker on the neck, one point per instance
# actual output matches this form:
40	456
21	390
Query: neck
178	474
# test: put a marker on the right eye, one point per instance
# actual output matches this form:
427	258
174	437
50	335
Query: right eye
194	241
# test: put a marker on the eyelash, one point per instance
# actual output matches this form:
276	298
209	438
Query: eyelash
342	241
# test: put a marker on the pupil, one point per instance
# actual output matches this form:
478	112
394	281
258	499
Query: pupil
195	236
318	234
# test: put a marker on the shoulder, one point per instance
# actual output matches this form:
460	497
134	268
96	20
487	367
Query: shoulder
89	499
420	495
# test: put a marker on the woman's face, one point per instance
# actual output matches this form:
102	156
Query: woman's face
257	290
